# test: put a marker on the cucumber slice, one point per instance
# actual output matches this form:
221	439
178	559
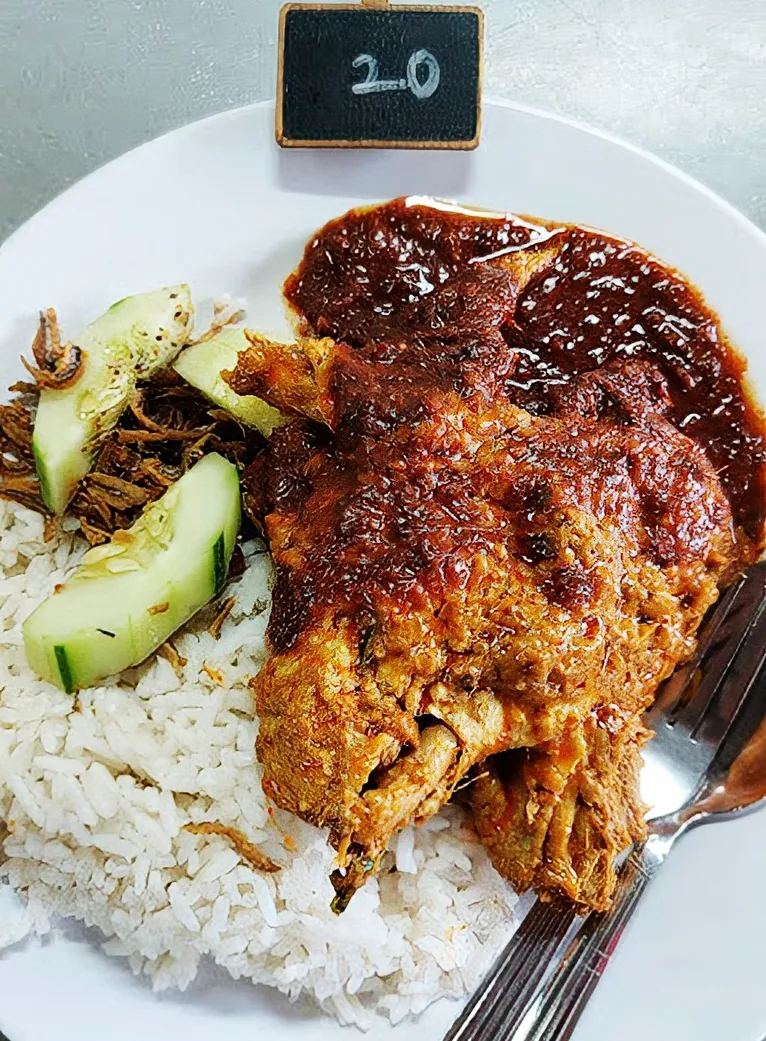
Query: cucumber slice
129	595
132	340
202	365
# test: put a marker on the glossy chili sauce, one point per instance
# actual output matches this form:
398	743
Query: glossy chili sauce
594	299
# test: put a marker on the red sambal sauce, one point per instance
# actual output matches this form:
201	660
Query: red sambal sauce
597	299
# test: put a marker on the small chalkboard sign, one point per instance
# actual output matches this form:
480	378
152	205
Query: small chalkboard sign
371	75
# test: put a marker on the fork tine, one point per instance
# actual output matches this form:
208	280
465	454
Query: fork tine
687	696
720	712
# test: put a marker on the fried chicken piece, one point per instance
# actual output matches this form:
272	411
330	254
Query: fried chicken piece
556	818
456	577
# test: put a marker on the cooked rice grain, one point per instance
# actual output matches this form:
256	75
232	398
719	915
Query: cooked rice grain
97	799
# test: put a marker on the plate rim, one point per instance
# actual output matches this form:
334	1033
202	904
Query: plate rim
582	126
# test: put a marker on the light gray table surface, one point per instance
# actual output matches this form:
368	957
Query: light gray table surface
82	81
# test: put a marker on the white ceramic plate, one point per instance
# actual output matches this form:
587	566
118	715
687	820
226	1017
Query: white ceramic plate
217	204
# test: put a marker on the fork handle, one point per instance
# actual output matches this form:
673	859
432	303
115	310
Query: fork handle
556	1008
542	982
510	987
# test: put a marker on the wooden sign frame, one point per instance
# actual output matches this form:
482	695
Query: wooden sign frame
378	5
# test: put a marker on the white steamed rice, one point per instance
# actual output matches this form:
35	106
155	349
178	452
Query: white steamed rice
95	800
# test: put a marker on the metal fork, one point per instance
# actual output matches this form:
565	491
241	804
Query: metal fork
707	762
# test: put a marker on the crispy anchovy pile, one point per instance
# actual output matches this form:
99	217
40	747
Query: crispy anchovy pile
165	430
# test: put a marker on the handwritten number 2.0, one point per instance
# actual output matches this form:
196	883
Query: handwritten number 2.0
421	88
